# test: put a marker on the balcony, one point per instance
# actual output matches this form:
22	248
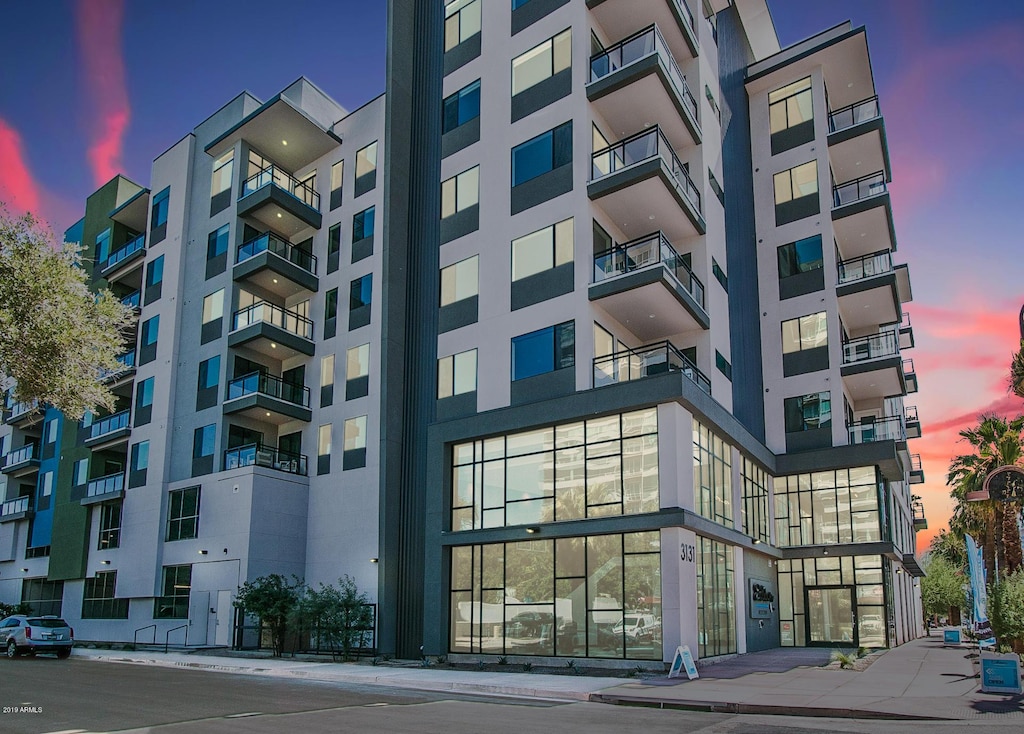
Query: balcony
913	422
906	332
649	288
125	261
25	413
22	461
862	215
640	182
122	374
909	375
16	509
640	73
109	431
133	300
620	19
258	455
272	330
267	398
869	291
647	361
890	428
920	521
104	489
280	202
871	367
916	470
276	266
856	140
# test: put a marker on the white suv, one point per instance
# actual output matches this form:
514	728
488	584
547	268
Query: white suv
638	626
21	633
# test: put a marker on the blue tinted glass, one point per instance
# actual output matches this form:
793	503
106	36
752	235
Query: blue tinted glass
808	253
362	224
146	392
519	3
331	311
533	354
149	331
217	243
209	373
140	456
361	292
469	103
205	440
155	271
368	220
160	207
531	159
103	246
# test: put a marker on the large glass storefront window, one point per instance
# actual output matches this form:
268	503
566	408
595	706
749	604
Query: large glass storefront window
595	468
712	475
716	613
755	501
597	596
828	507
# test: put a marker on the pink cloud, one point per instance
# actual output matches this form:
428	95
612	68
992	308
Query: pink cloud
18	187
99	37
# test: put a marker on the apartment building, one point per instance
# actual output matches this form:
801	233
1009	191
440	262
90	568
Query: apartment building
629	255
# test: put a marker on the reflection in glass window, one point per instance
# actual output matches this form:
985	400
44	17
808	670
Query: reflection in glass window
755	501
213	306
541	154
357	362
460	280
363	224
808	412
355	433
806	332
790	106
456	374
461	20
461	107
800	257
545	350
542	250
796	182
542	61
460	192
712	475
716	610
366	160
222	168
828	507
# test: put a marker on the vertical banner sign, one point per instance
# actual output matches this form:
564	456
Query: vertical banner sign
982	627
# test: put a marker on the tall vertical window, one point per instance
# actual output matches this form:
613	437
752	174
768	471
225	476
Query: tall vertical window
324	440
460	192
155	272
362	224
542	61
790	106
808	412
222	168
334	240
355	433
176	586
110	525
806	332
755	501
712	475
461	20
828	507
52	430
541	154
140	456
217	242
183	514
327	371
337	176
150	331
204	441
796	182
98	600
461	107
161	203
209	373
542	250
357	362
80	472
544	350
360	292
456	374
102	247
801	256
460	280
366	160
213	306
716	610
331	304
46	484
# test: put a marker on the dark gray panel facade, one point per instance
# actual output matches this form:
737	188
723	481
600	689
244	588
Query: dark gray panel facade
792	211
458	314
792	137
802	283
542	94
362	249
326	395
333	261
331	328
542	286
211	330
206	398
461	137
806	360
220	202
366	182
358	387
817	438
358	317
147	353
460	223
216	265
456	406
550	385
462	54
542	188
152	293
353	459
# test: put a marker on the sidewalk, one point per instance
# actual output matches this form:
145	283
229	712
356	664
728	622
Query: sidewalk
919	680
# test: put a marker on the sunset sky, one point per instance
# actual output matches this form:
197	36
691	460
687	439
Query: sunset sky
90	89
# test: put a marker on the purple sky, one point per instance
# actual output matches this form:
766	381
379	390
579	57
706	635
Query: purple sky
91	88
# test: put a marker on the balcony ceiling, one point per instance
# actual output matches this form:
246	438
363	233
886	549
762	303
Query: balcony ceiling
871	306
864	233
642	104
651	312
278	219
134	212
620	20
859	156
874	383
646	206
267	128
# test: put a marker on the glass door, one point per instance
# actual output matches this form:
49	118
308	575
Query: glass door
830	616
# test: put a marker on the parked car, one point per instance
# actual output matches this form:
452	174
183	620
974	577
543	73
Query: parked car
21	633
638	626
871	623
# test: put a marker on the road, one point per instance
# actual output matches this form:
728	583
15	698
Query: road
44	695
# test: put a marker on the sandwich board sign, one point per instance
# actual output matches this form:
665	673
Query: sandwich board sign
951	637
1000	673
683	660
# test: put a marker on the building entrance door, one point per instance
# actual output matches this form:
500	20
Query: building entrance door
831	618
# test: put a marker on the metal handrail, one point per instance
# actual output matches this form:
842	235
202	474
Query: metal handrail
135	638
127	362
133	299
272	175
859	188
275	387
25	453
261	311
255	454
167	637
12	507
865	266
22	408
638	46
121	254
908	366
854	114
915	462
646	361
640	147
875	346
111	423
267	242
681	4
890	428
911	414
105	485
644	252
917	510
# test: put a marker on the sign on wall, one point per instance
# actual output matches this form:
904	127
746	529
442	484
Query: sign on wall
762	600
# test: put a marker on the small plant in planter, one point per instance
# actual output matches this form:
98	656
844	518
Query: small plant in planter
503	660
527	667
845	659
441	660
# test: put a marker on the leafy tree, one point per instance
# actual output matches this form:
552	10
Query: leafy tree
1017	372
273	599
55	334
1006	605
338	615
950	546
6	610
942	588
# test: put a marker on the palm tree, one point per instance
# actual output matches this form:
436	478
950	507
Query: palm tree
1017	372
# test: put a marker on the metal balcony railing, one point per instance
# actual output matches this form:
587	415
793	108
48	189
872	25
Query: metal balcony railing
641	147
875	346
908	367
890	428
911	414
25	453
866	266
105	485
641	44
917	508
274	176
264	384
264	312
21	408
121	254
860	188
643	252
681	4
13	507
915	462
647	361
110	424
267	242
127	362
133	299
854	114
255	454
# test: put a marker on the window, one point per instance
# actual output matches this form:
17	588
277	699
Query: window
177	583
460	280
461	20
324	440
52	429
144	394
460	192
360	292
102	246
362	224
712	103
110	525
45	597
204	441
355	433
801	256
150	329
357	362
723	365
160	207
828	507
790	106
213	306
808	412
337	176
366	160
140	456
545	350
542	61
46	484
217	242
542	250
98	600
222	168
327	371
541	154
456	374
796	183
183	514
719	274
80	472
334	240
331	304
716	608
209	373
712	475
461	107
755	501
806	332
155	272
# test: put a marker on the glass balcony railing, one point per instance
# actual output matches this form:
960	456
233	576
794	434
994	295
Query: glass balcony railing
133	299
122	254
13	507
105	485
908	367
267	242
638	46
890	428
915	463
643	252
860	188
259	383
126	362
22	408
855	114
255	454
875	346
866	266
263	312
654	359
643	147
274	176
25	453
681	4
911	414
917	508
110	424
